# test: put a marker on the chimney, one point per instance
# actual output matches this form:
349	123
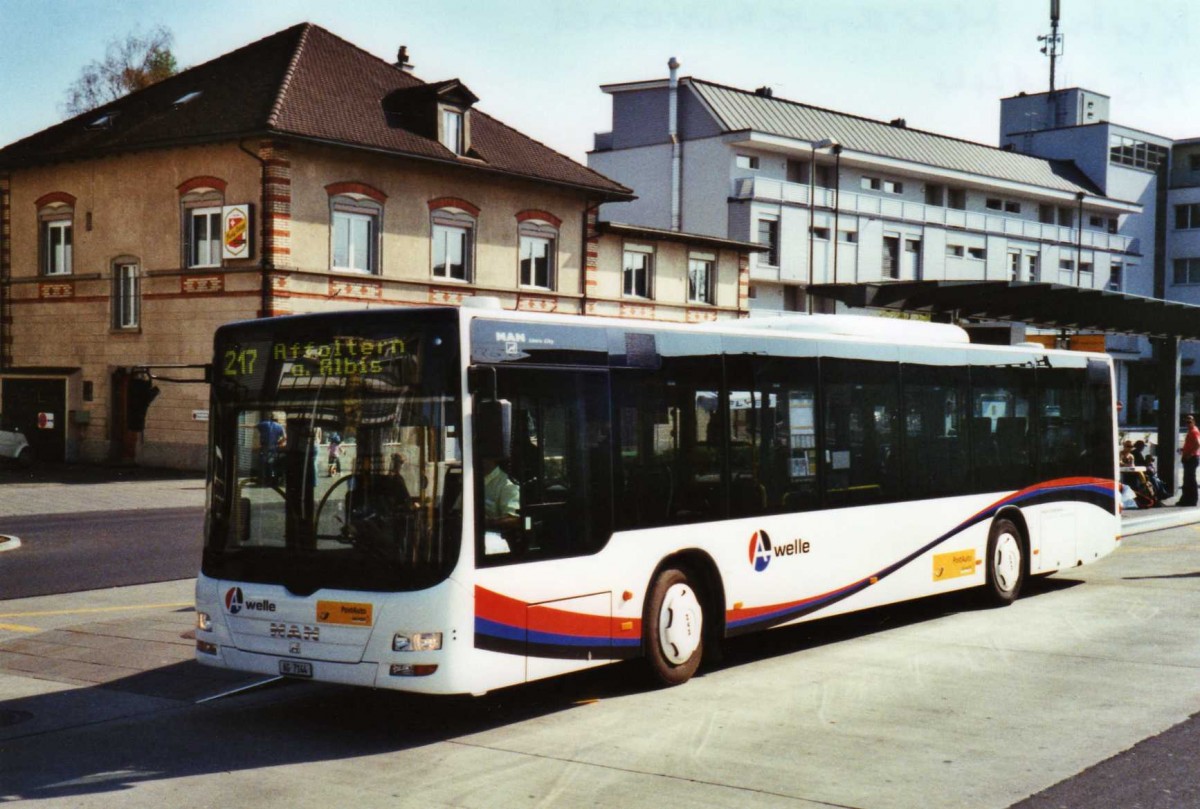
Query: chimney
402	59
899	123
765	92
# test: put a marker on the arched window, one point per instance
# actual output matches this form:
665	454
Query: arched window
56	217
201	199
452	231
355	225
126	293
538	238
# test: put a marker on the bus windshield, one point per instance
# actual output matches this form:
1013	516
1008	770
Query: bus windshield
336	455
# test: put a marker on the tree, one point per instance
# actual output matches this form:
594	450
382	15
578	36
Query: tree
129	64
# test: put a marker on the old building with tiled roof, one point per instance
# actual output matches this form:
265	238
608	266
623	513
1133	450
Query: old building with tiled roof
298	173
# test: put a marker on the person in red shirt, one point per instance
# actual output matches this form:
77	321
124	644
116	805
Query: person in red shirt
1191	458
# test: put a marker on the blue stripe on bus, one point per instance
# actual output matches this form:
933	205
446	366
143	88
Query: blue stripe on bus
1098	493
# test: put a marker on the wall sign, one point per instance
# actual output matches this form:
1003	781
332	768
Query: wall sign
235	229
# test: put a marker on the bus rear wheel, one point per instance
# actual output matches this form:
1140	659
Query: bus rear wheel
674	628
1005	562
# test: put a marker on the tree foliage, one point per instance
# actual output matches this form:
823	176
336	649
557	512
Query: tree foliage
129	64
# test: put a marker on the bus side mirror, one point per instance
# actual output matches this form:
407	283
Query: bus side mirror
493	428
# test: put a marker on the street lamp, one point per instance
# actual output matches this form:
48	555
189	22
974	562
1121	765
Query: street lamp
837	203
824	143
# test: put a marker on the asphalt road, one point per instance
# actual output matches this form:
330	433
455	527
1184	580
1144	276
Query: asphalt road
1082	694
68	553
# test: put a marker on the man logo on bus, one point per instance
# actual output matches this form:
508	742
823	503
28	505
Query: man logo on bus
234	600
760	551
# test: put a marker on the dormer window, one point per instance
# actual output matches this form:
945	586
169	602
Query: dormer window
103	121
452	131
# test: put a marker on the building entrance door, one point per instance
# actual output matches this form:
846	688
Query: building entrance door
38	408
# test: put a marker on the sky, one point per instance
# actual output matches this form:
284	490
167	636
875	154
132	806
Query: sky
942	65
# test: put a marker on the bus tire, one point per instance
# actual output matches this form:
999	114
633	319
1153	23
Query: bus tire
674	628
1005	563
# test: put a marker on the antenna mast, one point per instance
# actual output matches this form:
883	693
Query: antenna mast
1052	43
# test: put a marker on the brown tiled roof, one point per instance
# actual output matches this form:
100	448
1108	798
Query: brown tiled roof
302	82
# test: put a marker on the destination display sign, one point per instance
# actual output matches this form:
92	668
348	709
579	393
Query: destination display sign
341	356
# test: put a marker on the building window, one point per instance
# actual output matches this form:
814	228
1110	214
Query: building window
538	254
994	204
1046	214
935	195
56	242
355	236
1187	271
1130	152
957	199
638	270
977	253
1066	271
204	237
453	239
871	183
955	250
1114	277
700	277
891	257
893	187
768	236
745	161
127	295
848	236
1187	217
1194	162
453	135
1014	266
1012	207
821	233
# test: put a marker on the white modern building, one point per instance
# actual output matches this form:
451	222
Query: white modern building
837	198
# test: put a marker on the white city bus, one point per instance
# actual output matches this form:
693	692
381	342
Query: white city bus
654	488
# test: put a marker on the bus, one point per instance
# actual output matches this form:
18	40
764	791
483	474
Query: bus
523	495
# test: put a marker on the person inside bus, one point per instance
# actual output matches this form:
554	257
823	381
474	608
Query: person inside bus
271	439
501	506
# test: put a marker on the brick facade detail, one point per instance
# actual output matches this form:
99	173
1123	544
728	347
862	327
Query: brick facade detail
277	203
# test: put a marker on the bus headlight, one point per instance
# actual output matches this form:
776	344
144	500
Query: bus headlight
204	622
416	641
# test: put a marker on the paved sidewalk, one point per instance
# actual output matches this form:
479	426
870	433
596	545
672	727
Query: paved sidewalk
65	489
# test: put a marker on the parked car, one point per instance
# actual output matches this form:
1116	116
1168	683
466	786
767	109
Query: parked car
14	446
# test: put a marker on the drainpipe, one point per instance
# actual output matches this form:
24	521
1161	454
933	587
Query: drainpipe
676	154
264	302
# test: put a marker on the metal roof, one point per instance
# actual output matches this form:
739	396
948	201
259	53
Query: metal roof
1055	306
739	110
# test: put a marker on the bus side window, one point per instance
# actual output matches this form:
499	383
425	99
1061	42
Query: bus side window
559	464
773	441
1001	439
935	444
861	411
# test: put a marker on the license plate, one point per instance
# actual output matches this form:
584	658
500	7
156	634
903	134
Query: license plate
295	668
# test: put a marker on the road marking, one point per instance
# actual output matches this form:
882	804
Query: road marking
18	628
95	610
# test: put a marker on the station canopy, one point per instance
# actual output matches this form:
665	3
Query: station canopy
1056	306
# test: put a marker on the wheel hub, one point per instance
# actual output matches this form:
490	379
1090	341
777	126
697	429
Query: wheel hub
680	620
1007	562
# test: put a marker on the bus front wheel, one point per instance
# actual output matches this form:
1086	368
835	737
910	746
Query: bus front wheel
674	628
1005	562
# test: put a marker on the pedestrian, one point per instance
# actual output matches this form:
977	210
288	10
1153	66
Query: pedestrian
335	454
1190	454
271	439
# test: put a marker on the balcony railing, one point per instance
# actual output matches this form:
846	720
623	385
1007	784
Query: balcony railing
853	203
